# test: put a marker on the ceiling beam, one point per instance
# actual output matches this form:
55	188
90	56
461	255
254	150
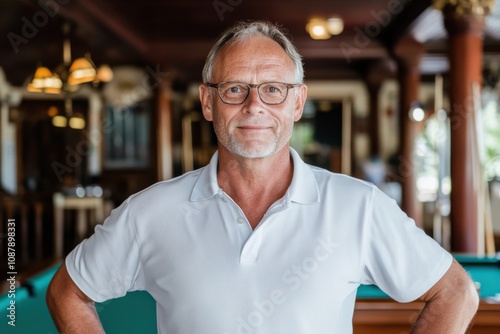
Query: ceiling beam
398	27
115	24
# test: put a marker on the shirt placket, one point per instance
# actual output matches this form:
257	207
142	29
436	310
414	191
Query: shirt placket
251	240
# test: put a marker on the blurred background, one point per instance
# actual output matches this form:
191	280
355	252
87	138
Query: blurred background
99	99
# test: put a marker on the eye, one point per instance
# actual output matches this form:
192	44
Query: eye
232	88
272	88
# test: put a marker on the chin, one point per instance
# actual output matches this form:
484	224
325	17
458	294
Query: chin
252	154
255	153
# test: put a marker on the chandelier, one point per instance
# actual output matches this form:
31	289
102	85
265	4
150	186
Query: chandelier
67	78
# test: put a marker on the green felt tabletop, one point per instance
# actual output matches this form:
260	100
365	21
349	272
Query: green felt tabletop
136	312
484	270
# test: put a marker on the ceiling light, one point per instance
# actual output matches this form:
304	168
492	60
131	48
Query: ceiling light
45	81
319	28
417	113
52	111
77	122
81	71
68	75
104	74
59	121
66	79
335	25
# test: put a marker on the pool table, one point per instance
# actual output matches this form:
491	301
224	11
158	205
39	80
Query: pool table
135	313
376	313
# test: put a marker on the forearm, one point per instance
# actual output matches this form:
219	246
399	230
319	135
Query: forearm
450	305
75	317
71	310
440	316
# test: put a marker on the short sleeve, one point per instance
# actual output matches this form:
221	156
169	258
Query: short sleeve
107	264
400	258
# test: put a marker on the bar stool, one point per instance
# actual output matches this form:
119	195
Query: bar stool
82	204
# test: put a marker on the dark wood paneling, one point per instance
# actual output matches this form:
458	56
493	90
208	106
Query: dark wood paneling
381	316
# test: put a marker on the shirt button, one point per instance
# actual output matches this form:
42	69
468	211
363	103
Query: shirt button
241	220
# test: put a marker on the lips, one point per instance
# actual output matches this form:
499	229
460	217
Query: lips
253	127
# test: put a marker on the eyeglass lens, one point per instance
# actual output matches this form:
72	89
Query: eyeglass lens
237	92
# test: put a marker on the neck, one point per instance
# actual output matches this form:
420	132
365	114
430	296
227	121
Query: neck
237	175
255	184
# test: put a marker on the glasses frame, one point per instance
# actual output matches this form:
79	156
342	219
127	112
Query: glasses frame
250	86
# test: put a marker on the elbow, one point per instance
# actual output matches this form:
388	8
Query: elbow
59	291
462	290
466	296
51	296
471	296
470	304
453	300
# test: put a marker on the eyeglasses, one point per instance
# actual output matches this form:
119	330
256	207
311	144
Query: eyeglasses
233	92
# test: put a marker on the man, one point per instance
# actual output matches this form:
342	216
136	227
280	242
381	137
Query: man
258	241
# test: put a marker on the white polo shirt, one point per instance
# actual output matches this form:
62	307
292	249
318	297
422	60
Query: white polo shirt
190	246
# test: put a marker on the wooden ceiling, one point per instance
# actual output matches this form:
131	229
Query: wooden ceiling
177	35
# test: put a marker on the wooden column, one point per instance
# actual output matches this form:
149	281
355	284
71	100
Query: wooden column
464	23
373	126
409	53
375	76
164	131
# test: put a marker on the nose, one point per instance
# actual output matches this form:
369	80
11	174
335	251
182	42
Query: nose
253	103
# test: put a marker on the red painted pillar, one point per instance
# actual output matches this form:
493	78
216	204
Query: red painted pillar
465	26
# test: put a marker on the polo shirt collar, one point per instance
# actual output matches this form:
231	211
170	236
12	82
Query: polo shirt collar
302	190
304	187
206	186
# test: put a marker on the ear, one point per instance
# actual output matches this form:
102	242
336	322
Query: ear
300	100
206	102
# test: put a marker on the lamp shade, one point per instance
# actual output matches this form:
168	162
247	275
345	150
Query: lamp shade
41	74
59	121
104	74
46	81
81	71
77	122
53	84
33	89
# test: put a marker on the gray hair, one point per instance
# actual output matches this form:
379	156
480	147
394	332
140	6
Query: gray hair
242	31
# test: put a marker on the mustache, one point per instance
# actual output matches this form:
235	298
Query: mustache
254	122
